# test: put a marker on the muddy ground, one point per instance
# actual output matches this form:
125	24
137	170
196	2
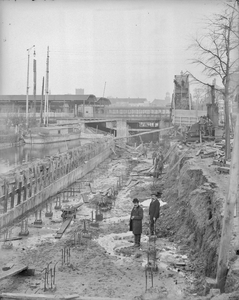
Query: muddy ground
102	261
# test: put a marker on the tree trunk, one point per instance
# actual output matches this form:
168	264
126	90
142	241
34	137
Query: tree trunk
227	128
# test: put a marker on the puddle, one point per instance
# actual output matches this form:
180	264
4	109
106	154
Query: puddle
113	241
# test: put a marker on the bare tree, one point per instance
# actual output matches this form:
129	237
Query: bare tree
200	96
215	52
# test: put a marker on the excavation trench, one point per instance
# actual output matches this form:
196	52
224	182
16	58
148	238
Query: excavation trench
105	263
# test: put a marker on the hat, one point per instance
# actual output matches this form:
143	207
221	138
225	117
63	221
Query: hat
135	200
154	194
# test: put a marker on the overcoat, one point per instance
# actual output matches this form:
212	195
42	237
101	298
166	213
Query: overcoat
154	208
138	214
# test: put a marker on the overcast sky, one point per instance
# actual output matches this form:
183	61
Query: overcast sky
136	47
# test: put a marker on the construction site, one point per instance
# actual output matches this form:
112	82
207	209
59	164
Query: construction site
78	245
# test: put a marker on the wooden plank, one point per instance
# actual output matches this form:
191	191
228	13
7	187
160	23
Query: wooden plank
13	271
85	197
63	228
143	170
128	182
36	296
224	170
113	151
92	189
5	296
14	238
199	152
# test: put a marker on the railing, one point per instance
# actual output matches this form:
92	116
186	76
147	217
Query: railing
142	113
37	115
133	116
186	117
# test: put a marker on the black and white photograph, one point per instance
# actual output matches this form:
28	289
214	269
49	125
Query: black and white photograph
119	149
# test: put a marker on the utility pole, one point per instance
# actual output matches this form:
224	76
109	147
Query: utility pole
46	108
27	100
104	90
34	81
237	133
41	109
229	209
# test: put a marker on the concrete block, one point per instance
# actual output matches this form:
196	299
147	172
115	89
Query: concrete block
57	207
214	292
211	283
94	224
24	233
37	222
99	217
65	200
49	214
7	245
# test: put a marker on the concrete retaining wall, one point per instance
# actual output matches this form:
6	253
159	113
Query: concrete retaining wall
50	184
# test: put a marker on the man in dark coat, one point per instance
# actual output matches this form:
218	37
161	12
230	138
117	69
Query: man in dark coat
154	208
136	218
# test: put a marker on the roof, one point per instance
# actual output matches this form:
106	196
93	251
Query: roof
159	102
127	100
68	97
103	101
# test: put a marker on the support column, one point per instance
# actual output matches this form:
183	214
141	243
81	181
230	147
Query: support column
19	196
122	131
65	196
48	212
98	215
7	239
13	196
58	202
24	228
38	219
6	190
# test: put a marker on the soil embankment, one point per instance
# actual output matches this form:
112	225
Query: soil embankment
195	193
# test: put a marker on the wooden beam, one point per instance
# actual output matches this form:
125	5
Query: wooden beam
22	296
143	133
63	228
